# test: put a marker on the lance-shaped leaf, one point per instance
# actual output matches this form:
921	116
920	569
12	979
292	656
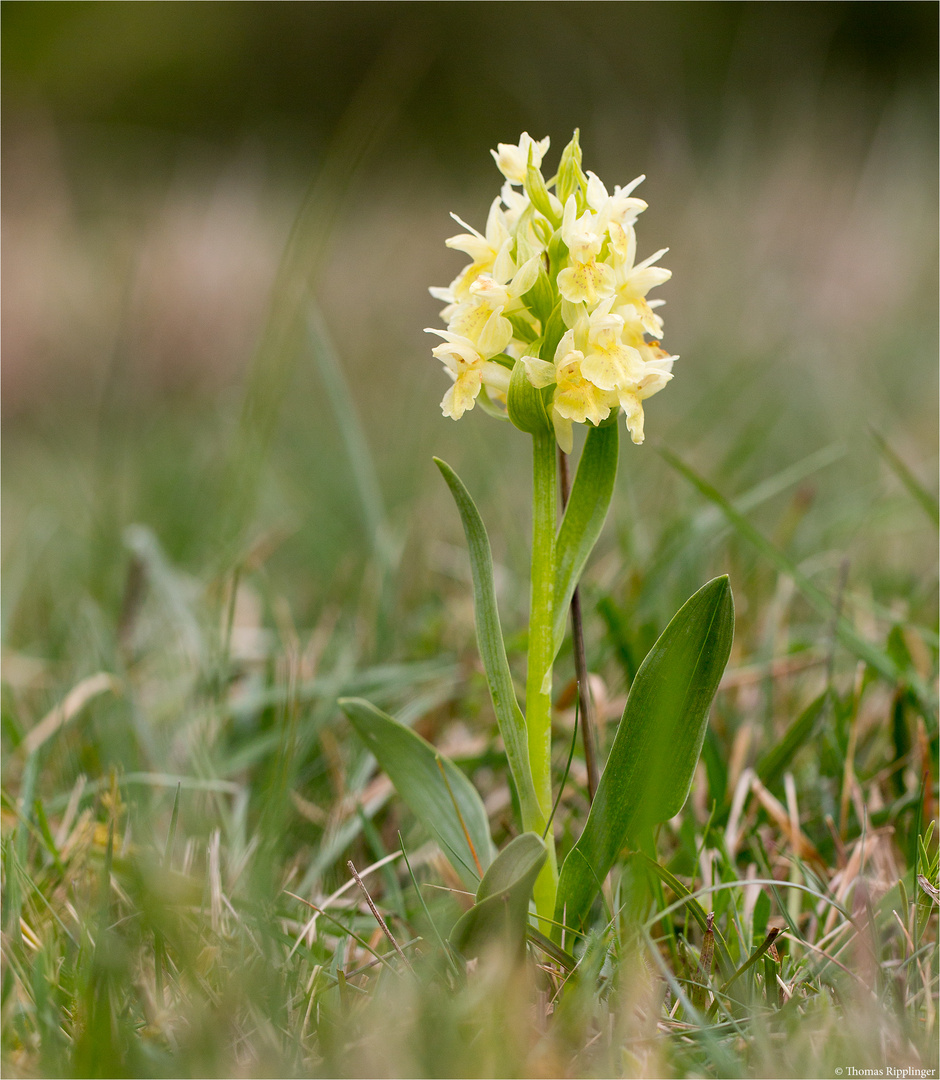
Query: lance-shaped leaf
649	771
501	913
493	650
432	787
584	517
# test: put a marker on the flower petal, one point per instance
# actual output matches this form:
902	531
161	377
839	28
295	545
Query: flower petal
586	283
564	432
461	397
540	372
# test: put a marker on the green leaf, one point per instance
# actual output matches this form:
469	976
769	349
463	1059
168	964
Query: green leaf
752	959
778	757
540	299
571	179
554	331
492	408
433	788
649	771
584	517
876	658
522	328
538	193
493	651
550	948
525	403
501	913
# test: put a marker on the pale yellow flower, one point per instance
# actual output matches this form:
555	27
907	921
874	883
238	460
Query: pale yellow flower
608	361
470	369
656	372
631	401
586	281
515	202
489	295
575	399
632	283
526	265
614	213
486	250
512	160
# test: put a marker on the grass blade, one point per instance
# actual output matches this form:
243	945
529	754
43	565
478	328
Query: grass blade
772	765
753	958
360	456
876	658
695	908
908	479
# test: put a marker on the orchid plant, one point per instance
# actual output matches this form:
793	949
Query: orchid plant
550	325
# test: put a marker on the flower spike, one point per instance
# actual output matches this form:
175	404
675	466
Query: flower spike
554	284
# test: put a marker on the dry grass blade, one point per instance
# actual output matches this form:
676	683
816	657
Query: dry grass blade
333	897
706	957
378	915
788	823
70	706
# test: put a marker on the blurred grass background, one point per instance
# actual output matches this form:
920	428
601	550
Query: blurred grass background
219	408
157	155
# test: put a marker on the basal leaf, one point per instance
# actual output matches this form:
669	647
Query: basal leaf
433	788
649	771
584	517
493	650
500	915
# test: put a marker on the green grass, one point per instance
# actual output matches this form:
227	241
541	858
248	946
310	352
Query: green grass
157	842
176	894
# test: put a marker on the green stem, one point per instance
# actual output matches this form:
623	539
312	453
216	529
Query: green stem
538	694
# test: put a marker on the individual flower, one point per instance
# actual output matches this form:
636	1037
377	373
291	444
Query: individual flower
576	398
504	289
655	373
609	362
632	283
586	280
513	160
470	370
515	202
486	250
616	213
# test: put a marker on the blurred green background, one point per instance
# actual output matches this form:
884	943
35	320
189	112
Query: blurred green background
157	370
220	221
